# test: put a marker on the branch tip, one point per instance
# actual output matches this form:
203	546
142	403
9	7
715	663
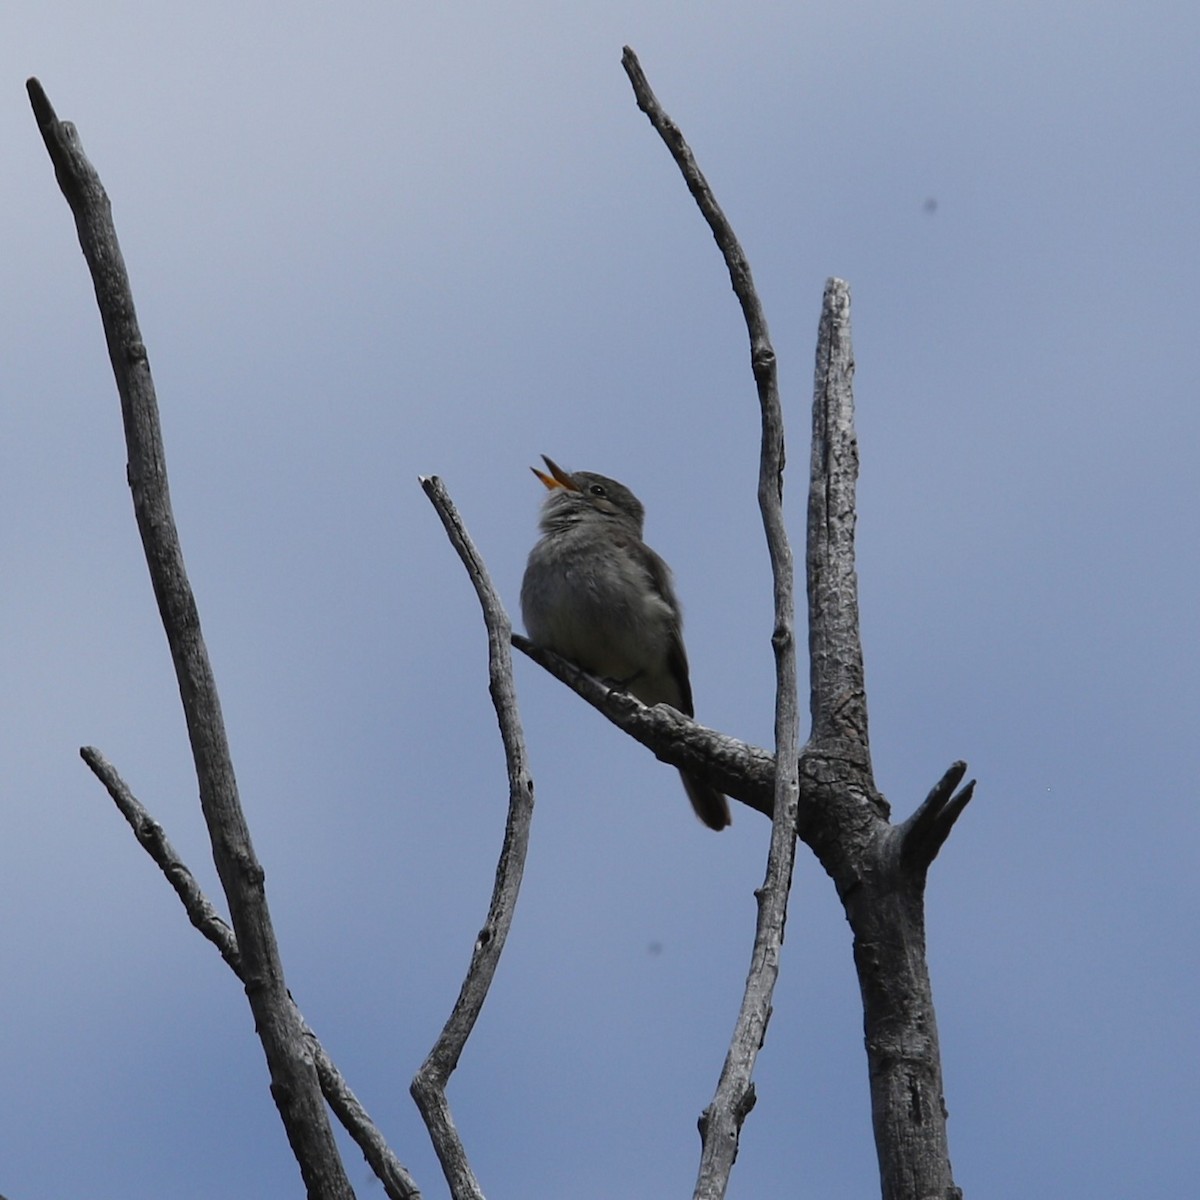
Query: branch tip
956	804
43	110
948	782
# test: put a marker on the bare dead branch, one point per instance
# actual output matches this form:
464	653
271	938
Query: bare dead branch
839	706
294	1083
397	1182
152	838
762	355
429	1085
740	770
846	819
722	1120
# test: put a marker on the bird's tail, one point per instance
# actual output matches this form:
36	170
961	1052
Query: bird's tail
711	807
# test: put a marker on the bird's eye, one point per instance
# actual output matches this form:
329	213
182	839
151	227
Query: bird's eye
597	490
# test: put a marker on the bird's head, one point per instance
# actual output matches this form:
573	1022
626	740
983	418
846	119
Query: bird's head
584	496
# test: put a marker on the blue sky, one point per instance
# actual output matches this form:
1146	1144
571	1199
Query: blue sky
376	241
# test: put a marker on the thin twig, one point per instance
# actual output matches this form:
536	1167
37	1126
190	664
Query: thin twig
294	1083
429	1085
722	1120
397	1182
153	839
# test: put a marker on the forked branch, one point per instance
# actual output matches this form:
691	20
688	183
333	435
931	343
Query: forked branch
927	829
294	1083
397	1182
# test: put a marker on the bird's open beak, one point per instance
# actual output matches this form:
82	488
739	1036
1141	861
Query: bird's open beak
557	477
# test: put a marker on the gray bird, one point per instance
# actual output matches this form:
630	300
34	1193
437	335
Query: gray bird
595	593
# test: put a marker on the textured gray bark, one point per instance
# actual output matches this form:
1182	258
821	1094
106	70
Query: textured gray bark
878	869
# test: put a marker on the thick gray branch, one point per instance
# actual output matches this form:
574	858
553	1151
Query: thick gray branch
876	867
294	1083
722	1121
838	693
397	1182
429	1085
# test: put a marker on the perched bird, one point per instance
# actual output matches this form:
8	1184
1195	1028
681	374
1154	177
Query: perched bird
595	593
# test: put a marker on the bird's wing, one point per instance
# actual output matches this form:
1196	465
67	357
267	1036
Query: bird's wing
659	575
677	663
